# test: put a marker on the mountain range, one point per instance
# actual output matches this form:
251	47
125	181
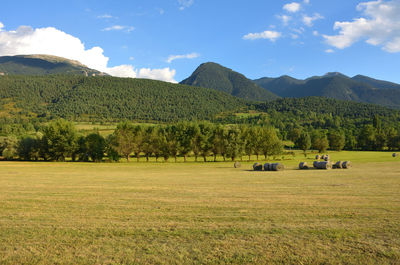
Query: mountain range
331	85
336	85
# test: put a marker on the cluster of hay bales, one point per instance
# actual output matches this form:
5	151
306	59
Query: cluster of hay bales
338	164
237	165
395	155
303	165
322	165
342	165
268	167
323	157
329	165
273	167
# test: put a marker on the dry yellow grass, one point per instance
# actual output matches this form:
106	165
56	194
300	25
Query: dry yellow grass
201	213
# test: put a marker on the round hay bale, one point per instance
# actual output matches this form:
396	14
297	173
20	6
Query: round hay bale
277	167
303	165
326	158
347	164
257	167
395	155
323	165
323	157
267	166
338	164
237	165
318	157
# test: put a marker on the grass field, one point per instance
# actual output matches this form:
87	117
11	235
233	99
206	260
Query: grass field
200	213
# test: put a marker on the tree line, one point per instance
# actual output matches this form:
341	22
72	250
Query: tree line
59	140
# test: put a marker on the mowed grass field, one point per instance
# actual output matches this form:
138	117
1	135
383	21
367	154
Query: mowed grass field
200	213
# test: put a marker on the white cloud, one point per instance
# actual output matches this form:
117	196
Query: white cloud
131	58
271	35
1	26
292	7
308	21
306	1
329	51
285	19
183	56
315	33
380	26
185	4
119	28
26	40
165	74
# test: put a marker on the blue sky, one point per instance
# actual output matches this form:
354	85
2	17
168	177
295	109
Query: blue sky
168	39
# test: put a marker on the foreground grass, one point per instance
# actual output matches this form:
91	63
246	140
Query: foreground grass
204	213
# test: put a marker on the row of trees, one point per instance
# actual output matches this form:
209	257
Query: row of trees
59	140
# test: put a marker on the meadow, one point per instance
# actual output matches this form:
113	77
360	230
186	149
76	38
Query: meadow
200	213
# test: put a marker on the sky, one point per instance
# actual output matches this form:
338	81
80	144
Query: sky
168	39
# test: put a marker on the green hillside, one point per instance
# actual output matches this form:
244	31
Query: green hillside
43	65
212	75
109	98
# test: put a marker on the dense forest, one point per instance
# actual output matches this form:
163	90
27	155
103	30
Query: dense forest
109	99
362	126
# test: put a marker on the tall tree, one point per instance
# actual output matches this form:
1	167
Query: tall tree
234	144
205	139
124	139
304	142
217	139
60	140
95	146
319	141
185	136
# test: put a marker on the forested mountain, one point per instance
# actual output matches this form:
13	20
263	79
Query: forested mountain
212	75
338	86
109	98
42	65
381	84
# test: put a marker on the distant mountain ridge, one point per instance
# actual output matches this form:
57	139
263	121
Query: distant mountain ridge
215	76
336	85
41	64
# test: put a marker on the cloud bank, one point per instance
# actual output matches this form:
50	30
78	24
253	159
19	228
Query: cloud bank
380	26
51	41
